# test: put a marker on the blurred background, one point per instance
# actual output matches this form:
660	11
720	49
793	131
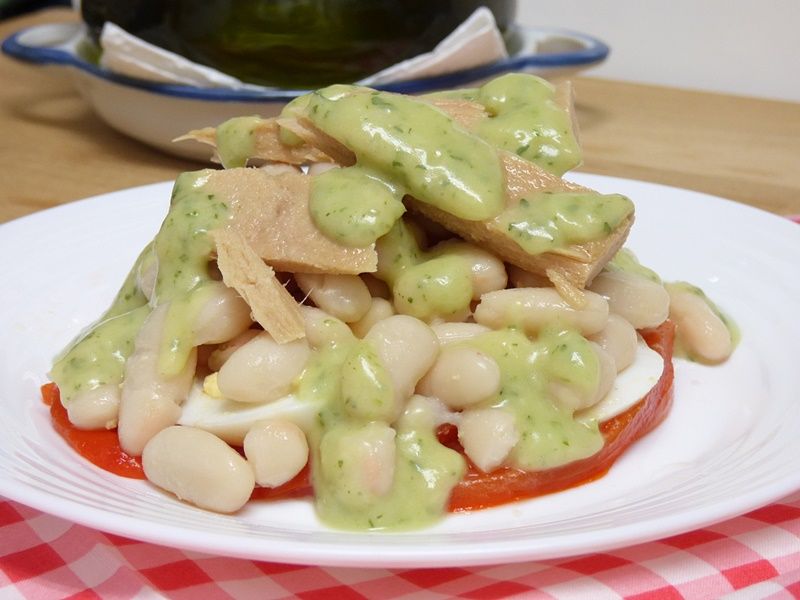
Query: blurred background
733	46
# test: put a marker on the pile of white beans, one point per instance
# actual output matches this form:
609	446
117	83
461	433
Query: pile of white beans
422	359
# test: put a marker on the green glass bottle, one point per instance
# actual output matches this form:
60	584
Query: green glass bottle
295	43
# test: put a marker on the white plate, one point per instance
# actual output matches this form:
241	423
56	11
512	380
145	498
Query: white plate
729	445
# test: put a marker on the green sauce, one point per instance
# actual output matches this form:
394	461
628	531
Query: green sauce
549	435
98	358
437	287
354	207
346	377
366	387
183	250
130	296
414	146
397	251
425	473
407	146
425	285
525	119
236	140
548	221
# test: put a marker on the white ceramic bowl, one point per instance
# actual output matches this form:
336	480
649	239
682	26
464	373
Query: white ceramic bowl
156	113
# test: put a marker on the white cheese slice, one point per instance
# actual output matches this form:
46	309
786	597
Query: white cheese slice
630	386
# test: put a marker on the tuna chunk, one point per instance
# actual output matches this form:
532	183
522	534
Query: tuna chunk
270	212
273	307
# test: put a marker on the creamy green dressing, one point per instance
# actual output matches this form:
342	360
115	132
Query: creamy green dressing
547	221
367	391
425	473
98	358
397	251
130	296
345	375
549	435
183	250
440	286
425	285
354	206
525	119
412	147
235	140
415	147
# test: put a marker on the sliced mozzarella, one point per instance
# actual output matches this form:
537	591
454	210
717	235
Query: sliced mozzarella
231	420
630	386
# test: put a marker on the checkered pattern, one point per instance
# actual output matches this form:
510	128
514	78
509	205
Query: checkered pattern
753	556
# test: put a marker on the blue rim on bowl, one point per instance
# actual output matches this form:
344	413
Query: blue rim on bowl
592	51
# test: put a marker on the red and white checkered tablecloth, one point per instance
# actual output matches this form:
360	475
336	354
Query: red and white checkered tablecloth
753	556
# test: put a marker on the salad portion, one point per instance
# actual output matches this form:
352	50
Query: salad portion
394	305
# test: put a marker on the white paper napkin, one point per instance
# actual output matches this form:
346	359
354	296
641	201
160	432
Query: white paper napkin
475	42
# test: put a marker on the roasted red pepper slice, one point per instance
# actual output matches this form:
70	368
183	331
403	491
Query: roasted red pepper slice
477	489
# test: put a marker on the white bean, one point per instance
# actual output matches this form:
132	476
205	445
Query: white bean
488	271
324	330
262	370
487	435
407	348
149	401
451	333
198	467
223	316
277	450
380	309
606	376
223	352
619	339
361	462
346	297
95	409
576	398
704	335
642	302
534	308
460	377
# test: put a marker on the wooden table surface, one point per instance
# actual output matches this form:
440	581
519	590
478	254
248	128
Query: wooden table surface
54	149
